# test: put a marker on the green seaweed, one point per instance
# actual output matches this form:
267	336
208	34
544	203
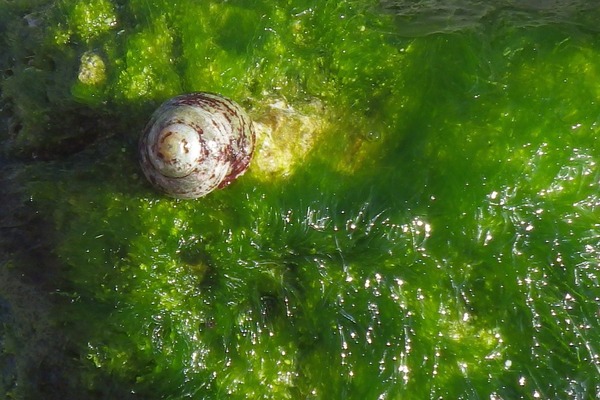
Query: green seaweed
433	235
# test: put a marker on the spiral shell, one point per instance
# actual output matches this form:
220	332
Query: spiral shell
196	143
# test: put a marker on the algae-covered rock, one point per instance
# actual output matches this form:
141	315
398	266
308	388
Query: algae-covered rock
419	221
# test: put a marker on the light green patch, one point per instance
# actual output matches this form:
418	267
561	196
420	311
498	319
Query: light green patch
90	19
148	66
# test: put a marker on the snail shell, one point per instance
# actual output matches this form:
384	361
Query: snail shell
196	143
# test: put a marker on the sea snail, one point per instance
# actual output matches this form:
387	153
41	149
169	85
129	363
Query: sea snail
195	143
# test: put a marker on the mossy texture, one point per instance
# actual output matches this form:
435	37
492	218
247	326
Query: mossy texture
426	226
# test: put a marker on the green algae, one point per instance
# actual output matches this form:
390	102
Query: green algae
438	238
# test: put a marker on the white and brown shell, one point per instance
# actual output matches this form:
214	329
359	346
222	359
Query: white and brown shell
196	143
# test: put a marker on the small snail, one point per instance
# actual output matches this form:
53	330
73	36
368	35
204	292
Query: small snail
196	143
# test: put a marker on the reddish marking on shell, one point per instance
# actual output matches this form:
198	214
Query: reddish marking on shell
164	137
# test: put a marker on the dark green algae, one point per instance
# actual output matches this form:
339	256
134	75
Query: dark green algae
440	240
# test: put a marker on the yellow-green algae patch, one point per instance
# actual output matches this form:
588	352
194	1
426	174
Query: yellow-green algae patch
286	136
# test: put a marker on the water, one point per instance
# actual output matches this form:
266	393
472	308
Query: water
416	18
421	224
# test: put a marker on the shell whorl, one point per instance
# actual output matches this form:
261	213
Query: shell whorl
196	143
